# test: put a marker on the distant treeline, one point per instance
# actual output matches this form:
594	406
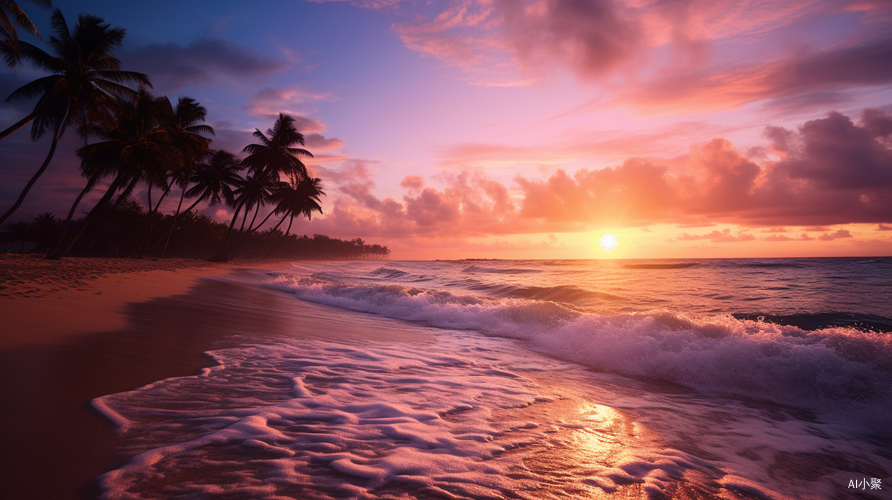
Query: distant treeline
195	236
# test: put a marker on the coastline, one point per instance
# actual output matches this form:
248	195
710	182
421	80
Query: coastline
113	326
46	302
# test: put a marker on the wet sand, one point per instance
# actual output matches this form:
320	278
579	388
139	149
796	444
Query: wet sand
143	326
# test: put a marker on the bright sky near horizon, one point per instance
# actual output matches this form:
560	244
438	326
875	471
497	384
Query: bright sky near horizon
531	128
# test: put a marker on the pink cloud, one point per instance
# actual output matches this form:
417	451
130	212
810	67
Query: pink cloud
715	184
715	87
783	237
369	4
270	101
316	141
715	236
841	233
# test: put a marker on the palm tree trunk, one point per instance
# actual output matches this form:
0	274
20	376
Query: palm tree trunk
291	221
251	230
89	187
121	197
56	134
151	222
19	124
173	223
265	238
107	196
222	257
144	226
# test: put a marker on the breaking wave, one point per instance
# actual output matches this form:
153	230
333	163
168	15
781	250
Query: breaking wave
829	367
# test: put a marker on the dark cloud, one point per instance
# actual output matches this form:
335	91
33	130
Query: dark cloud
319	141
171	66
867	64
877	123
798	82
836	153
592	36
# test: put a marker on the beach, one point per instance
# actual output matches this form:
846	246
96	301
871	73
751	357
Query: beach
436	379
77	329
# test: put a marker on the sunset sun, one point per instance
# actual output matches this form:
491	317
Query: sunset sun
608	242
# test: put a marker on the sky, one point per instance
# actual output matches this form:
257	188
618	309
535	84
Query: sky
529	129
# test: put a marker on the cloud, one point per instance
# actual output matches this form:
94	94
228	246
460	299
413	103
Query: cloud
714	184
883	227
835	153
318	141
369	4
783	237
610	145
172	66
814	76
590	36
715	236
269	102
841	233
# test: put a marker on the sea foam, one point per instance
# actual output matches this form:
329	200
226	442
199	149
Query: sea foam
828	369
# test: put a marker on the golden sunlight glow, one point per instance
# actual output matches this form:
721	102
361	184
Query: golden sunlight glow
608	242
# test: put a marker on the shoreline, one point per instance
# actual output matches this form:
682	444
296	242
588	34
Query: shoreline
46	302
112	330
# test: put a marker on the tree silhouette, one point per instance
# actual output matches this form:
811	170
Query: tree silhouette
276	155
85	77
11	15
135	148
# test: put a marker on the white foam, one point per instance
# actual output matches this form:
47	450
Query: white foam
835	369
446	418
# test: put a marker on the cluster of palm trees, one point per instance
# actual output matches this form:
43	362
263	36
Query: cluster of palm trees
133	138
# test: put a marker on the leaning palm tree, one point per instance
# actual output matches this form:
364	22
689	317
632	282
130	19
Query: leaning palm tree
213	181
185	128
275	154
251	193
11	15
300	198
130	151
85	78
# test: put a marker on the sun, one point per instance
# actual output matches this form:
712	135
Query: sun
608	242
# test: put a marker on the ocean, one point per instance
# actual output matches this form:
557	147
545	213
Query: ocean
725	378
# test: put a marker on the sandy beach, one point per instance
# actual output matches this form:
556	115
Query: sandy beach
81	328
77	329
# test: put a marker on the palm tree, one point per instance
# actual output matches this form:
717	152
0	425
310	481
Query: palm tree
85	77
251	193
299	198
135	148
275	155
185	129
213	181
21	231
11	15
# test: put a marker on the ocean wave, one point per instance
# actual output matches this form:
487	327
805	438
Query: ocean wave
387	272
679	265
562	293
498	270
832	366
